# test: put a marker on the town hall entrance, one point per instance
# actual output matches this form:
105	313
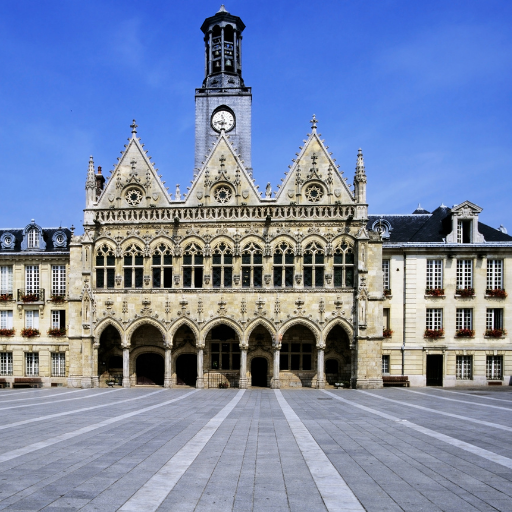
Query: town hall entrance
259	369
186	370
150	370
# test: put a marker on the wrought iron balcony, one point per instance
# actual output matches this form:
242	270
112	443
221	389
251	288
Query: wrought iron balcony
34	295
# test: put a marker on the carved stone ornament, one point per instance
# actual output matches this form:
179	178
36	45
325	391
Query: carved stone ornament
328	278
176	279
199	195
155	196
207	278
291	193
118	280
337	192
236	279
147	280
267	278
245	194
111	197
298	278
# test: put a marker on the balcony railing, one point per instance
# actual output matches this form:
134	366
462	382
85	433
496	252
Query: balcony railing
31	295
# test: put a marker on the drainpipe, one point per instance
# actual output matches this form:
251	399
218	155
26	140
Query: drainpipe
403	328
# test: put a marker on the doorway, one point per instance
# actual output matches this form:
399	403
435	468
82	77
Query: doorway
150	370
186	370
259	369
434	370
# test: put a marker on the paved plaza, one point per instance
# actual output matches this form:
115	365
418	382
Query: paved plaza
145	449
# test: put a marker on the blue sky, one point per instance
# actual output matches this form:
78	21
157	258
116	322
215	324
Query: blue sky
424	87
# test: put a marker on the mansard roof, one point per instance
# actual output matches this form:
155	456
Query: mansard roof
49	237
428	227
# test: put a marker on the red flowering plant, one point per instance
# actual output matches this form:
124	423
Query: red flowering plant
7	332
433	333
435	292
4	297
30	297
28	332
387	333
57	299
465	292
495	333
56	332
498	293
387	293
465	333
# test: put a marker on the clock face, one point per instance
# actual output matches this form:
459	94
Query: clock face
223	120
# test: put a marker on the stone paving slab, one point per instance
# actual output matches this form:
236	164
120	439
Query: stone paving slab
291	450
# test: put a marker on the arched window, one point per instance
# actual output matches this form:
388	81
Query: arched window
252	266
133	266
161	266
344	266
222	266
314	266
33	238
283	266
193	267
105	267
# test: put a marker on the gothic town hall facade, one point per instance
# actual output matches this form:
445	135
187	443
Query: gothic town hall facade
227	286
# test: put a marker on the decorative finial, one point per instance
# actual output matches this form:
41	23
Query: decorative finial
222	9
133	126
314	122
268	190
178	193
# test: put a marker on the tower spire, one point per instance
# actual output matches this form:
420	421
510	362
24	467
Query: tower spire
360	179
90	184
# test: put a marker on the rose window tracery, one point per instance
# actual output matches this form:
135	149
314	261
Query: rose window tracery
133	196
222	194
314	193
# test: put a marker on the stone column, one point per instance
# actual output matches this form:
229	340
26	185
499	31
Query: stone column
235	66
126	367
210	55
200	374
320	373
275	374
95	371
168	367
222	43
243	369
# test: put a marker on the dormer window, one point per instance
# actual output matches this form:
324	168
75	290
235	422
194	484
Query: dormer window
33	238
464	228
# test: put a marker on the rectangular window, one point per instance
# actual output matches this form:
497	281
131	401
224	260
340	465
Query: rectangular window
464	274
225	356
32	278
494	274
385	364
100	278
5	319
386	315
32	364
464	367
494	367
494	319
58	364
434	274
59	319
464	231
434	319
58	279
385	275
111	277
464	319
5	279
5	363
296	356
32	319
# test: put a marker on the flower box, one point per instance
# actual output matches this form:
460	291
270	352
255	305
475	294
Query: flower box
465	333
28	332
433	333
434	292
465	292
7	332
57	299
387	333
387	293
498	293
495	333
30	297
5	297
57	332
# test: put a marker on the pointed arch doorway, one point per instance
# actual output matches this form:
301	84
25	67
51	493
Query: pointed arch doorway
186	370
259	372
150	370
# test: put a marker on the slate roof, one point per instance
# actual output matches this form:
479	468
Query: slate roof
47	236
433	227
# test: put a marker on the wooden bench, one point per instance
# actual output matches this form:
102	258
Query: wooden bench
494	383
395	380
3	383
30	382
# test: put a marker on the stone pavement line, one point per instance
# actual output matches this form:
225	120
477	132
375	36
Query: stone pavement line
151	495
486	454
452	400
451	415
55	395
475	396
69	435
335	492
74	411
57	401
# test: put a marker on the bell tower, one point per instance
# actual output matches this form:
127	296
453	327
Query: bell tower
223	102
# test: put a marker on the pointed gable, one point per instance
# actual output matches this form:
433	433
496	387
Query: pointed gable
223	179
134	183
314	177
